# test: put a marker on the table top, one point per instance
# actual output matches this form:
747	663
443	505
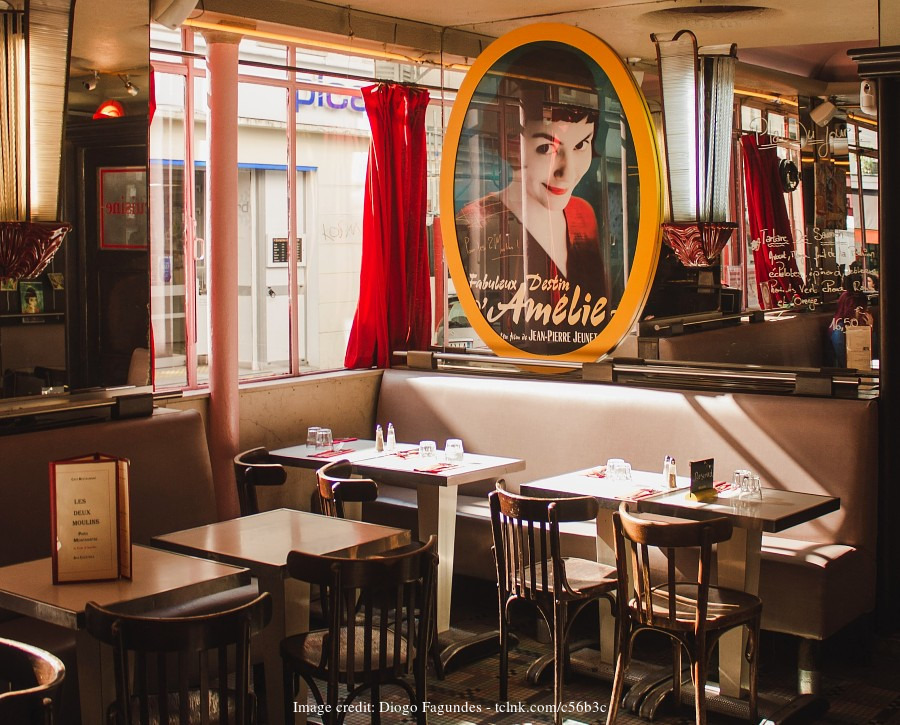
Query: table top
304	456
775	512
160	579
404	466
261	542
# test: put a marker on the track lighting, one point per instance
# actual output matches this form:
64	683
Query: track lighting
130	88
91	82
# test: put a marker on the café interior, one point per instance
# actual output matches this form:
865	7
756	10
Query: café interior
702	458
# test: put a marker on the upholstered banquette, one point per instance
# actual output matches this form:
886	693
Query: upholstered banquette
815	578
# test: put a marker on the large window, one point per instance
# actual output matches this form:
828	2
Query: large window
303	144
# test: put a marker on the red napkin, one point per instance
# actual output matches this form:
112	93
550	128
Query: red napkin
639	493
436	469
328	454
721	486
597	472
344	440
406	454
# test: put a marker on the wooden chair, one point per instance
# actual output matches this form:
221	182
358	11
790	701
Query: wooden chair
336	488
30	679
530	567
177	668
693	613
255	468
390	601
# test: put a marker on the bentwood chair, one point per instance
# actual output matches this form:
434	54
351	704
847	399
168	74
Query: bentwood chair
530	567
693	613
181	670
336	487
30	680
390	602
255	468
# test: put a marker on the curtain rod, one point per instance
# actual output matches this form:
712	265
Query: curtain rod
299	69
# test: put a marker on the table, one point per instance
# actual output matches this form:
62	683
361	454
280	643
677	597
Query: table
436	493
738	558
160	579
261	543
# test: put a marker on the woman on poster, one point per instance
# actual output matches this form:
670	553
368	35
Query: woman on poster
532	249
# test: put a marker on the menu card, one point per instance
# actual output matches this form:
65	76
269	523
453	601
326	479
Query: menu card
90	519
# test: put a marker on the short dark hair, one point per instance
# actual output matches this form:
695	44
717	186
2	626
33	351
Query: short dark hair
550	82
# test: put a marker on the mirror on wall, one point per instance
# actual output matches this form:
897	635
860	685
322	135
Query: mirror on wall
86	317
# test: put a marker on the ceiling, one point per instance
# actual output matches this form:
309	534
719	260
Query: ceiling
780	42
114	44
804	37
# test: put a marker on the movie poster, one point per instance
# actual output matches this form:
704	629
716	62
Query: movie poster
546	202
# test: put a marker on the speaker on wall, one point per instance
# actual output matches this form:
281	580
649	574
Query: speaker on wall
823	113
171	13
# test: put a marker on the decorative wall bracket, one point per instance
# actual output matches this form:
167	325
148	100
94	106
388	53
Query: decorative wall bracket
697	244
27	247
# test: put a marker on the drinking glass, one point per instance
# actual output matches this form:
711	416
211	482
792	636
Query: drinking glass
311	432
453	450
323	439
754	489
618	470
741	479
427	449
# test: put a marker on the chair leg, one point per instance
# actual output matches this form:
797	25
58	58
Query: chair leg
288	695
504	654
559	657
676	672
699	669
615	699
375	700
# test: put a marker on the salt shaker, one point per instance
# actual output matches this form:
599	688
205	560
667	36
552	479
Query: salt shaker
665	471
391	444
379	439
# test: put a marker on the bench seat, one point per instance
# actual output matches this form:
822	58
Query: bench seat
815	578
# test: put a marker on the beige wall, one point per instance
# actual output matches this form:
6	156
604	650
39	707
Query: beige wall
277	414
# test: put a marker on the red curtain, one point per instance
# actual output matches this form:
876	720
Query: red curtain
778	280
394	310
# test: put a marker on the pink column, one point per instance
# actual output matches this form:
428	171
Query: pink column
222	266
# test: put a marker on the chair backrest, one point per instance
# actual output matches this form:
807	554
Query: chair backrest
255	468
30	679
526	540
177	667
640	535
383	596
336	488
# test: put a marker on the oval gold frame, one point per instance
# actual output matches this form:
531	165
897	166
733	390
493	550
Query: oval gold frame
648	243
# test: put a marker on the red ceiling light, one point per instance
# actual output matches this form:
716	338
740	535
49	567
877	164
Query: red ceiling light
109	109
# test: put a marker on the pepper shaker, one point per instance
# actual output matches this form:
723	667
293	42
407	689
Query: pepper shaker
673	483
391	444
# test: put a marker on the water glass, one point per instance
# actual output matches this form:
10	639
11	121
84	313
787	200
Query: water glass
323	439
427	449
618	470
453	450
754	489
311	432
741	480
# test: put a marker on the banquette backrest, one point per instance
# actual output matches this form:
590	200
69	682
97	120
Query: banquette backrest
814	445
170	478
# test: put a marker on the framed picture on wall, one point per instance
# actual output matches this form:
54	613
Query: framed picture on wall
31	294
123	207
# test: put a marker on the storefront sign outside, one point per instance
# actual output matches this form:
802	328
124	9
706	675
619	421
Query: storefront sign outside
551	195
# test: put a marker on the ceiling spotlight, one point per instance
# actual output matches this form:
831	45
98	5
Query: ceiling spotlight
130	88
91	83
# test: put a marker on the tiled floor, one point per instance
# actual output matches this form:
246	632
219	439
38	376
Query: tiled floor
861	678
